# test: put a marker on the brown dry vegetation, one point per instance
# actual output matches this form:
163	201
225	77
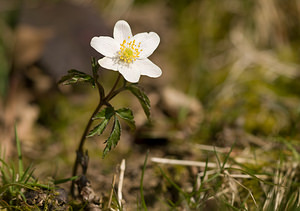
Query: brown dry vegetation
230	77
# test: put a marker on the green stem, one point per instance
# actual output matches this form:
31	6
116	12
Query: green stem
102	101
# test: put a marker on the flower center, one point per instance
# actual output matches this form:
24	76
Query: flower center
129	51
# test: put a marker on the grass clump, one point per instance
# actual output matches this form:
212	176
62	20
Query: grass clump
226	182
19	190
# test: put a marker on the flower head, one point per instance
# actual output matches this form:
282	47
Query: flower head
128	54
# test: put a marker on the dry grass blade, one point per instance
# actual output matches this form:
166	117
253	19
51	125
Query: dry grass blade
187	163
235	180
224	191
212	148
284	177
121	179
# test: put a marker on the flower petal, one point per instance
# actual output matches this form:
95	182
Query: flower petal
130	73
140	37
149	42
148	68
107	46
122	31
109	63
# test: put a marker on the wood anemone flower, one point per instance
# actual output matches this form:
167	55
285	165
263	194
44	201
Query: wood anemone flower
128	54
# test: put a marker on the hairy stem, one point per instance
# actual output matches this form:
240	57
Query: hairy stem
102	101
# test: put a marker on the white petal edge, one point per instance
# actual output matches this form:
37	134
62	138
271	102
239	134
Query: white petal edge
149	42
122	31
147	68
109	63
140	37
130	73
107	46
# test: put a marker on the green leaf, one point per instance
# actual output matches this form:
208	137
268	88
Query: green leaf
98	129
142	97
127	115
104	114
114	137
75	76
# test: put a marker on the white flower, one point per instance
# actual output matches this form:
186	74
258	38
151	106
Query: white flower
128	54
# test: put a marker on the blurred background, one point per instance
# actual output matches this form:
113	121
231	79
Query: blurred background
230	73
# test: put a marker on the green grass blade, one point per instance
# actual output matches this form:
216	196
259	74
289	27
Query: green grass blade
291	204
173	184
29	175
4	177
4	188
4	163
230	206
227	156
206	167
56	182
117	201
13	173
26	176
292	148
20	159
218	159
141	183
212	178
254	177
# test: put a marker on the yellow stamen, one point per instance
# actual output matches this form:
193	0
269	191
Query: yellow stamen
129	51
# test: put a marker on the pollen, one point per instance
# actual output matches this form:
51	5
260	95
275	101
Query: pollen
129	51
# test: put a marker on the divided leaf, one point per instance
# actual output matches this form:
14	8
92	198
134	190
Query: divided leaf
114	137
127	115
75	76
104	114
98	129
142	97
